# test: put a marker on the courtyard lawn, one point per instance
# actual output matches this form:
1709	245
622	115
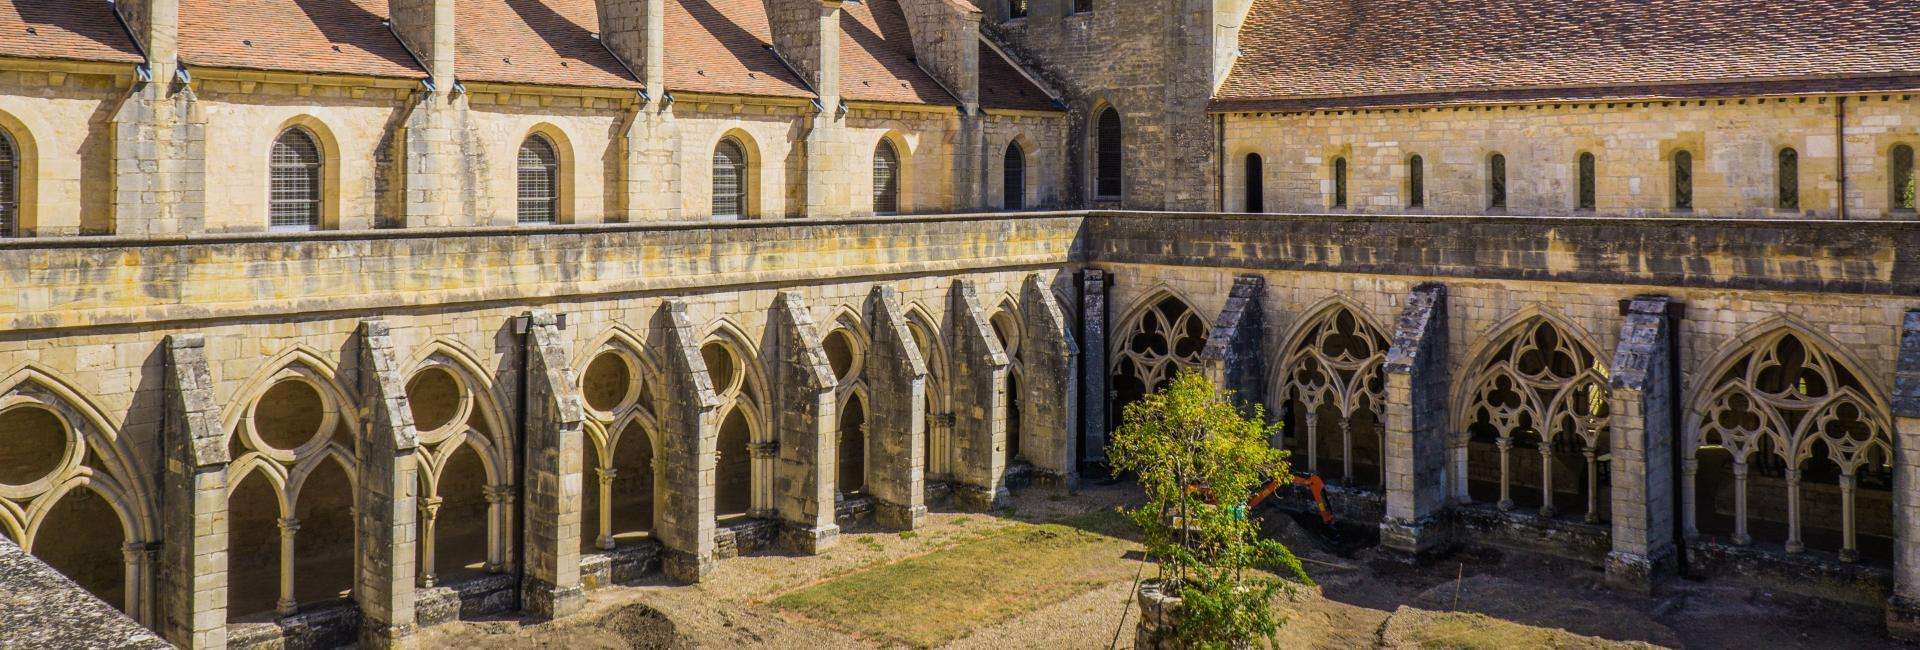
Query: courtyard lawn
983	580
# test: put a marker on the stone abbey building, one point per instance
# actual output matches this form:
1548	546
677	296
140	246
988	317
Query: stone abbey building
327	320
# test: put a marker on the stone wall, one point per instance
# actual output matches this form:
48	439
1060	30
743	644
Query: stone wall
1734	143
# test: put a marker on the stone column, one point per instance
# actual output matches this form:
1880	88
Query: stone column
1051	362
1094	398
1235	355
159	136
193	524
635	31
1416	426
979	438
806	33
896	414
689	437
386	503
807	420
1641	443
1903	609
552	476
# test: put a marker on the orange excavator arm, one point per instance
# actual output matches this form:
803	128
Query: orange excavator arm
1311	482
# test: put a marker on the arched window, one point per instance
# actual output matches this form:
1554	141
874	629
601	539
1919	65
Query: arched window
1497	182
1683	180
1112	159
295	183
1588	183
1256	184
1787	443
9	187
1016	8
1789	173
1539	391
1901	180
1416	182
1013	178
539	181
886	178
1339	182
729	180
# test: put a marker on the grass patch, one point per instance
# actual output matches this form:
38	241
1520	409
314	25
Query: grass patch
1469	631
931	599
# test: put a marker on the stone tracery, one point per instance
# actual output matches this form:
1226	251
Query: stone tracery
1786	408
460	426
1162	339
62	474
1539	386
623	461
1333	372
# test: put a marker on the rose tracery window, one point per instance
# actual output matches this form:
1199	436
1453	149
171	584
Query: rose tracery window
1161	341
1543	389
624	485
1332	376
1786	418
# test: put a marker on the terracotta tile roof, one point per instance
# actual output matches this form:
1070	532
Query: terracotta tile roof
319	36
721	47
876	57
1003	87
64	29
544	42
1295	49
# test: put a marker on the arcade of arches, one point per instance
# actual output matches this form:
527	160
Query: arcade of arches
411	472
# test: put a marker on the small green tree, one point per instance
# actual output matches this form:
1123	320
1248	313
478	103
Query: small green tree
1199	460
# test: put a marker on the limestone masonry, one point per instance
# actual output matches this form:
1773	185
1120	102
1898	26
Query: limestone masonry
326	321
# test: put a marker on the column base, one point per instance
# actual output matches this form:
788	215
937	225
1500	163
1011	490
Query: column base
1903	618
975	498
685	568
893	516
543	601
380	634
1416	542
800	538
1636	573
1063	482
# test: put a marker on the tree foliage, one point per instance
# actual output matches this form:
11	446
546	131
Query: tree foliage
1199	459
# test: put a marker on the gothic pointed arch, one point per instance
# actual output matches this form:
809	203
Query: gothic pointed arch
1160	336
743	485
1329	384
1534	413
62	459
1787	441
294	421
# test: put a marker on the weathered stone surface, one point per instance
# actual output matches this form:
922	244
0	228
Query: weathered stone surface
1417	435
896	379
690	425
1642	404
1050	362
387	488
979	402
553	477
807	418
1235	357
39	608
194	508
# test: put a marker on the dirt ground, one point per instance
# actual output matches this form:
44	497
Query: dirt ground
1476	599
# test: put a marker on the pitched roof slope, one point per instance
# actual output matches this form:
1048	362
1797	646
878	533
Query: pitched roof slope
320	36
1452	50
64	29
722	47
1002	86
876	57
543	42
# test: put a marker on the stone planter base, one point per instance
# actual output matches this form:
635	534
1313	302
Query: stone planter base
1158	612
